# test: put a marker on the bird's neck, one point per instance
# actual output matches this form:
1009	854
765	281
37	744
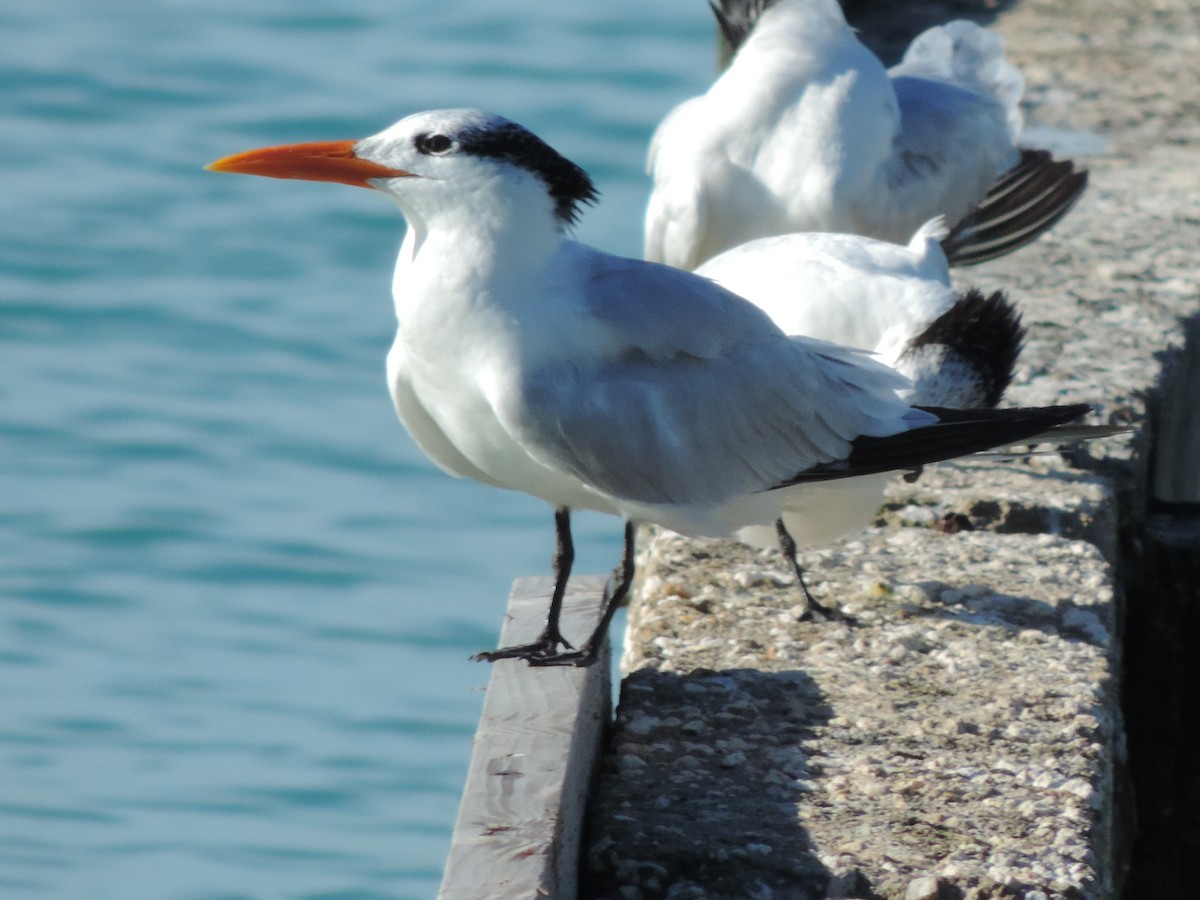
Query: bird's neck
783	74
805	107
468	261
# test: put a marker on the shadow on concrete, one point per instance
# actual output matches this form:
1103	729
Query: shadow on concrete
1162	627
701	782
1016	613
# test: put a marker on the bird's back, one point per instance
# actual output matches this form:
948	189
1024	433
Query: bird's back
797	124
844	288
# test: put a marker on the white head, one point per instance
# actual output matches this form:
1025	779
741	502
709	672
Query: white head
464	160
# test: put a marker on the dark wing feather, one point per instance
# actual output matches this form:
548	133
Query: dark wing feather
1023	204
958	432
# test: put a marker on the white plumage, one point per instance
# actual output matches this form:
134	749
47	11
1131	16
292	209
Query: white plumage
807	131
529	361
957	350
883	297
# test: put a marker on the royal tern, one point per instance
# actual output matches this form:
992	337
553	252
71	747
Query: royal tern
807	131
529	361
957	349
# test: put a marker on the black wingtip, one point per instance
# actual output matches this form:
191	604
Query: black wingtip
1023	204
958	432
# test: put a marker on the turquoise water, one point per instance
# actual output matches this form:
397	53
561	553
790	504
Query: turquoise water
236	603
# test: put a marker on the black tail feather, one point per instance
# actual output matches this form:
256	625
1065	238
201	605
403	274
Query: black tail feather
985	332
958	432
1023	204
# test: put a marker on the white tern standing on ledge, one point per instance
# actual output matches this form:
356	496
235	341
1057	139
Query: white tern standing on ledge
529	361
958	349
807	131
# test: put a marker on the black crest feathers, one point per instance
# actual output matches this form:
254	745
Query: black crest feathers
568	184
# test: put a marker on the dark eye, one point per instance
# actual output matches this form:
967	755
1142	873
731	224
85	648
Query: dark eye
433	143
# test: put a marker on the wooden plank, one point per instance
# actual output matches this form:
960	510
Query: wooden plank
521	815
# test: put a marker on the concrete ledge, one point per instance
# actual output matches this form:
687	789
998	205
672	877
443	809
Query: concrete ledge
1036	496
960	738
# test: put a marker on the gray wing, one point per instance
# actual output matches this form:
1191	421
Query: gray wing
953	143
706	401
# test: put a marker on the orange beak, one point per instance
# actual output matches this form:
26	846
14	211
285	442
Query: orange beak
323	161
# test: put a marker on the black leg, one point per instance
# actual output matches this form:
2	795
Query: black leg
564	559
551	638
787	544
622	578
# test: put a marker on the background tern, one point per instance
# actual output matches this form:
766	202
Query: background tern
529	361
896	300
957	349
807	131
